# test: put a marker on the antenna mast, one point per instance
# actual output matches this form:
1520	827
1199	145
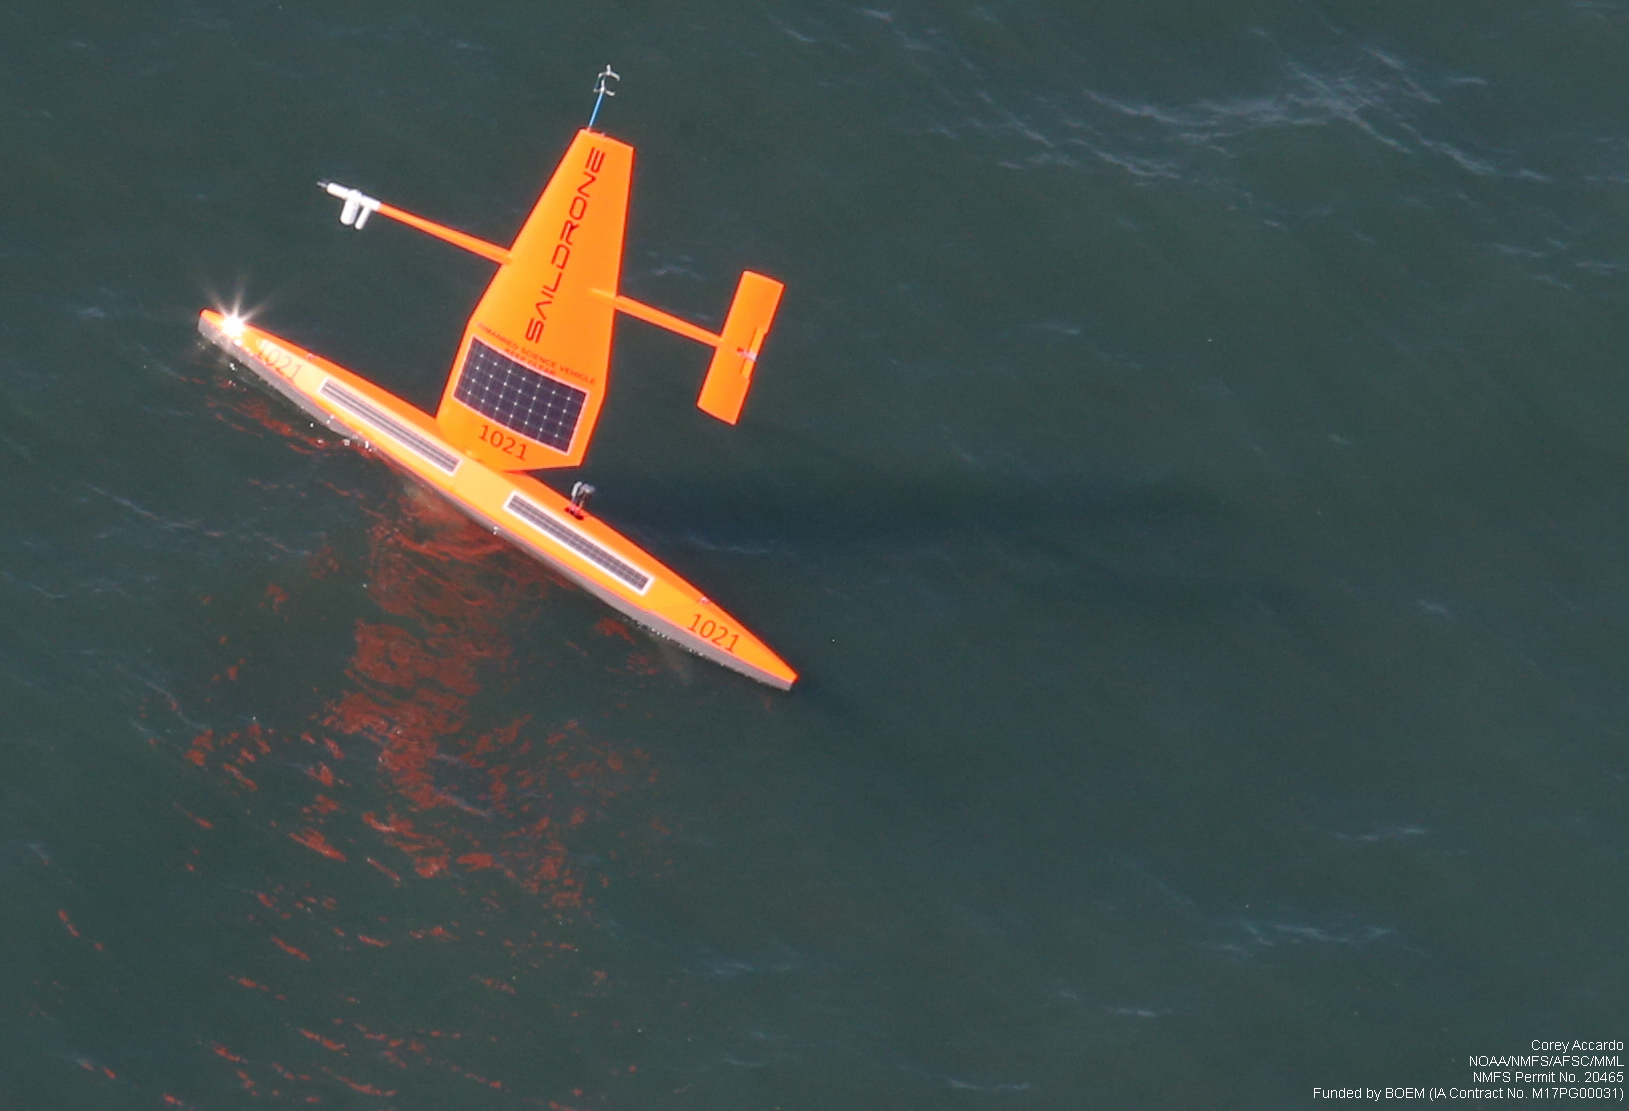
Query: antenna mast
600	93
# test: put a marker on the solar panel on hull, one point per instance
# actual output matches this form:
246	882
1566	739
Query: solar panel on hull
420	444
519	398
557	530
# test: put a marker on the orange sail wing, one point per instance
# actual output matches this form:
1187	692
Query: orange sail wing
531	373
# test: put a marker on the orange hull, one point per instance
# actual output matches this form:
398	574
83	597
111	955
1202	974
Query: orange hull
512	504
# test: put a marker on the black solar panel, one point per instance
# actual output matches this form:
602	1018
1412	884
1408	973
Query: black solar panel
518	397
390	426
577	542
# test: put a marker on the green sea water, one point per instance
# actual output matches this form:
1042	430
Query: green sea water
1188	472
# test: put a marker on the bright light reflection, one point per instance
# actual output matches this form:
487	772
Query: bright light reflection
232	325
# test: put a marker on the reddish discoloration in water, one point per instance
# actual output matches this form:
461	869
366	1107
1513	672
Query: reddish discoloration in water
322	804
289	949
643	663
258	409
323	562
201	822
358	1086
429	866
276	598
317	843
497	804
394	878
415	677
611	627
327	1043
437	933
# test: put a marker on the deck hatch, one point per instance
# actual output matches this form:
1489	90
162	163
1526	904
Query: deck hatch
557	530
404	434
521	399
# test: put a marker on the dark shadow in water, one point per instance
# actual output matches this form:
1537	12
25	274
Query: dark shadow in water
869	507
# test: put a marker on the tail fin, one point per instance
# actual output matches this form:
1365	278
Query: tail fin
729	376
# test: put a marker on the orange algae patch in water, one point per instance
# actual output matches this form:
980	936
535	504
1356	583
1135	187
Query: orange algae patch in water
289	949
276	597
201	744
611	627
358	1086
327	1043
316	842
201	821
394	878
377	826
390	654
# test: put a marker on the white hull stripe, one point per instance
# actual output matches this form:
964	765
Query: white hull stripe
406	435
562	533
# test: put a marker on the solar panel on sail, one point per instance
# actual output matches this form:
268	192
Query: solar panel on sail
518	397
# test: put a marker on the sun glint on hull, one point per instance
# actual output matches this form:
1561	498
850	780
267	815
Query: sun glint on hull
529	514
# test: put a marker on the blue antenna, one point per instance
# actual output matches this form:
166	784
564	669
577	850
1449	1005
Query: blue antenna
600	93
